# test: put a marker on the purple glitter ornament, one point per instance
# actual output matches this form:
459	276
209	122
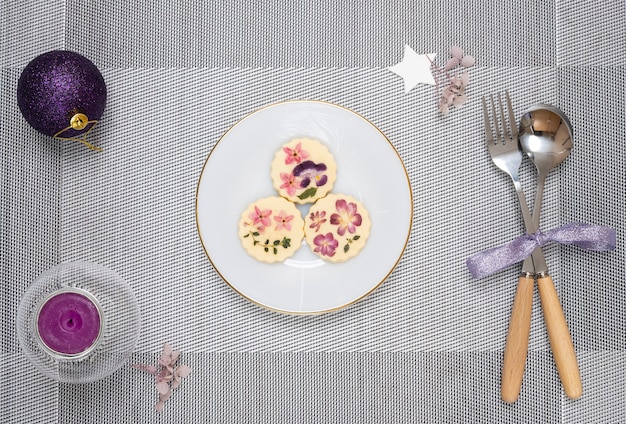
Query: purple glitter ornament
59	91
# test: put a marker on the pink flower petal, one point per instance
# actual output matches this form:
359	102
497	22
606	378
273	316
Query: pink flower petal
446	93
175	356
165	397
451	63
175	384
468	61
460	100
159	406
163	387
183	371
341	205
456	52
167	349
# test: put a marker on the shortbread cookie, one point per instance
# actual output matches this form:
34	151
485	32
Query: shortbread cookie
337	227
271	229
303	170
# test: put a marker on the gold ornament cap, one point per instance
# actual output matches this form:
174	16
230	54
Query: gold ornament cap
79	121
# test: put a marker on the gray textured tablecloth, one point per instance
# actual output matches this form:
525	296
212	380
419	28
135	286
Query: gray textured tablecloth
426	346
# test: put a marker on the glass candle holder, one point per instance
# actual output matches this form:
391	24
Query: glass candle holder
78	322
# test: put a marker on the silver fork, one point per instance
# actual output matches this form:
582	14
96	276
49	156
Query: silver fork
506	154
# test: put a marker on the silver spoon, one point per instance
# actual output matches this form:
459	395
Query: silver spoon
545	135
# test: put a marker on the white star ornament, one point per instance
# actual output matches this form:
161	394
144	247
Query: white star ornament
414	68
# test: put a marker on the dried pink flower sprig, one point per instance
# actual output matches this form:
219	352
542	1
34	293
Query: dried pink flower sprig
454	92
167	374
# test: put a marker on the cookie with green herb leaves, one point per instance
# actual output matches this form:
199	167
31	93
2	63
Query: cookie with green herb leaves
271	229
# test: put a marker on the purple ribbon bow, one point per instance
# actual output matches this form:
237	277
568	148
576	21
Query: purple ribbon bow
596	238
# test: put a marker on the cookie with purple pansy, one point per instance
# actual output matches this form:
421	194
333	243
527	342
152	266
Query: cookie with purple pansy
303	170
337	227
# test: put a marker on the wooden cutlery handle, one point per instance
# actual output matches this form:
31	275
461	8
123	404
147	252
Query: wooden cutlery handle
516	348
560	338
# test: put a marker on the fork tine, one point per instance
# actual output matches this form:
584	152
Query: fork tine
511	115
495	119
488	133
503	117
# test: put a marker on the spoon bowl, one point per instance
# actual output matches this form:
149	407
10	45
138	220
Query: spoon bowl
545	135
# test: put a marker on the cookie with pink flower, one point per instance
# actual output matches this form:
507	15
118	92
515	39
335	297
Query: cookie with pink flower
336	227
271	229
303	170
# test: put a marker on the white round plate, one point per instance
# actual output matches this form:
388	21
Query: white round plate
237	172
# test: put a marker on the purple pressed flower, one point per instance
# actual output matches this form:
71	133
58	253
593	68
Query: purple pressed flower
325	244
309	170
317	219
347	217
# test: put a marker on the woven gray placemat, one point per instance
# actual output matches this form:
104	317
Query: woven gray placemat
308	387
310	34
132	209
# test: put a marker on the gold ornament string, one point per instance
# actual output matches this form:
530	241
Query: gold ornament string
79	121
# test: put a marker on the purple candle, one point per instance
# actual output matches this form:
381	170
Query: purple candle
69	322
